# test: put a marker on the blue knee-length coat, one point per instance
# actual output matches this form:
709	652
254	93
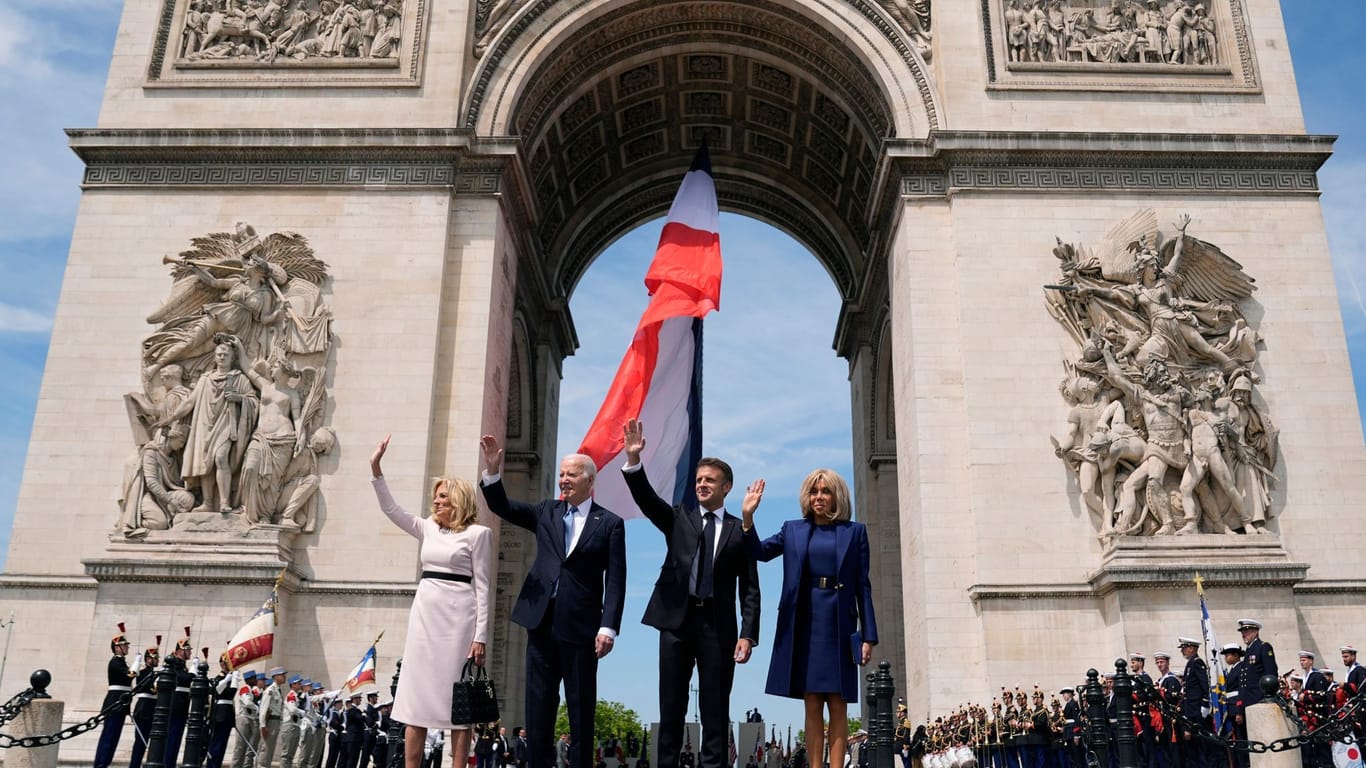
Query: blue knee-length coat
855	597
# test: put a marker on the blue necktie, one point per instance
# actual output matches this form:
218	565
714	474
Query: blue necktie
569	528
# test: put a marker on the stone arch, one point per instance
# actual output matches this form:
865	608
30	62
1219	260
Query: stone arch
607	100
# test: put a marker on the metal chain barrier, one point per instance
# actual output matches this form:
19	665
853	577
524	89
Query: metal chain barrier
14	706
1339	727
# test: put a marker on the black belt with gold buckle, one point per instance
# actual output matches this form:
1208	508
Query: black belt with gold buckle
825	582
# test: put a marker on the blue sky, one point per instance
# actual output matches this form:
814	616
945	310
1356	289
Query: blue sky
53	59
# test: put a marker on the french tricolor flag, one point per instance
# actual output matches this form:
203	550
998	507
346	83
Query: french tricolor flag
660	378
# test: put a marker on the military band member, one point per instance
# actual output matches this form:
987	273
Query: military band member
290	718
144	703
178	662
270	714
221	713
245	713
116	699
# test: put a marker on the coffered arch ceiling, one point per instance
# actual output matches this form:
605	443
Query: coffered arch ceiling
609	105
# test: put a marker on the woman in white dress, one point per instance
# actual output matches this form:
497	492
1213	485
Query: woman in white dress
450	609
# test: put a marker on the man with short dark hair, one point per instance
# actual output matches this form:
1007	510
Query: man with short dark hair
706	567
116	698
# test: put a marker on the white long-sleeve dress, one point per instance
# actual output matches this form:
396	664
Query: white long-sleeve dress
446	615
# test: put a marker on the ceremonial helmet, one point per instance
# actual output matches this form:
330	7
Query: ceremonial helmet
184	644
119	638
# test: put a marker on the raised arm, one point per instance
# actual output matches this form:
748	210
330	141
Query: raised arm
518	513
769	548
658	511
396	514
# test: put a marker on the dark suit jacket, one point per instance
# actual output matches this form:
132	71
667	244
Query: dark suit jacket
592	579
733	568
855	597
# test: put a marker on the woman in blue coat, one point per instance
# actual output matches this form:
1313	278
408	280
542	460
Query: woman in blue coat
826	628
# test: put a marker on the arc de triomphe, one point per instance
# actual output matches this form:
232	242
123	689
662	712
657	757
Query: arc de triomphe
428	181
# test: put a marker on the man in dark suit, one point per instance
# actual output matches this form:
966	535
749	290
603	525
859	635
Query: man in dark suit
693	605
571	602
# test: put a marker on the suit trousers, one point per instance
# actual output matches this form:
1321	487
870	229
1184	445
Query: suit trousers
218	743
550	661
698	642
109	739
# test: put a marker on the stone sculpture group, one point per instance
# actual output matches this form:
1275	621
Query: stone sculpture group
1163	434
270	32
1173	32
228	423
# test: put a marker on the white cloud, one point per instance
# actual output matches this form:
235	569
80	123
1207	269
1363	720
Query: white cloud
19	320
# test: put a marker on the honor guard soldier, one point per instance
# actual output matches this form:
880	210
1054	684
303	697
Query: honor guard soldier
1313	707
353	733
145	703
380	756
1235	699
178	662
1142	708
1168	691
116	700
367	742
1071	722
291	718
317	727
1195	706
336	729
245	712
221	715
270	715
1258	657
1354	681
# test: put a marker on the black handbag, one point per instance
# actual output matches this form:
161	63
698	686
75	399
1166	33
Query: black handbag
473	700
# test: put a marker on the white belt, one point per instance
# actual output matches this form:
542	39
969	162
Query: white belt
144	696
223	703
182	689
120	688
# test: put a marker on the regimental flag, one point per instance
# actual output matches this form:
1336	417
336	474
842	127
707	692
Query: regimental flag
256	639
660	377
1217	670
364	671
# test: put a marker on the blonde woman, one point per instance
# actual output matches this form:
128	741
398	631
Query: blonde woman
450	609
826	628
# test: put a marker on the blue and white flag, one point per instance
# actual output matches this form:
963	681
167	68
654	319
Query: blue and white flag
1217	670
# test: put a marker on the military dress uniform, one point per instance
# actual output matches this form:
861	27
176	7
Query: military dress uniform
270	715
1260	660
1313	707
245	713
367	742
291	722
336	731
1195	708
116	700
1353	683
1237	680
1168	692
353	734
180	703
221	717
1144	738
144	706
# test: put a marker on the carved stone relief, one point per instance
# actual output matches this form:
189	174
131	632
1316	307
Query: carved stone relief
1173	32
1162	433
286	32
228	424
914	17
1178	45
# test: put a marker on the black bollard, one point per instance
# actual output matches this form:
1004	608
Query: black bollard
1096	740
196	734
870	707
884	717
161	717
1126	745
39	681
396	729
